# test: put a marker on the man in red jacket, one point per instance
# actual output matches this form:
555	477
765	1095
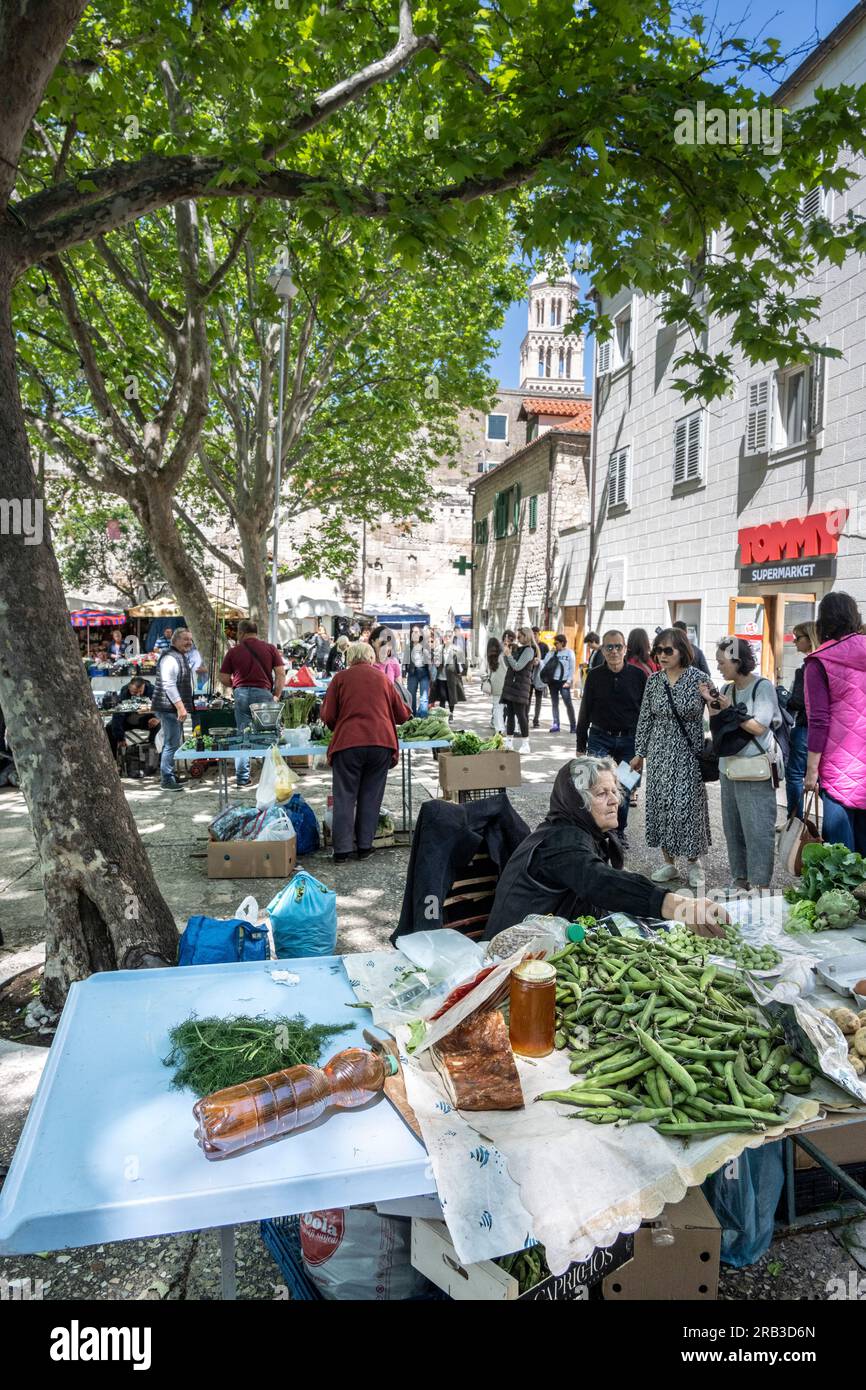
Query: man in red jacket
256	674
363	709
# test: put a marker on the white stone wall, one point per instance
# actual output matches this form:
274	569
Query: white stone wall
680	543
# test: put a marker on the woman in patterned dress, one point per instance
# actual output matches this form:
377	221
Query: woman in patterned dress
677	817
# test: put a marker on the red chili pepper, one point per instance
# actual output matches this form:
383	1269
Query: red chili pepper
460	992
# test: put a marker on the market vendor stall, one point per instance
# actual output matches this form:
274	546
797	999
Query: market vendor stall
303	750
108	1150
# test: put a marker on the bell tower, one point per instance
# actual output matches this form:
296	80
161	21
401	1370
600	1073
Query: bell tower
551	361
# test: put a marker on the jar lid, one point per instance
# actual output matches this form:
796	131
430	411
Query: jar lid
575	932
535	971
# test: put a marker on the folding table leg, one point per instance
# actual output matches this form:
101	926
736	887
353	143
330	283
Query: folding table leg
228	1271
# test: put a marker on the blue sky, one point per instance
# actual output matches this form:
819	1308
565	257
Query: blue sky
799	24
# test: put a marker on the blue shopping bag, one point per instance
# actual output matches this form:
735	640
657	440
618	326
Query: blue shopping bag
304	918
211	941
303	818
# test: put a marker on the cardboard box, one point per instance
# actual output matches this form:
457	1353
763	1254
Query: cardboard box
379	842
843	1143
686	1269
433	1254
479	771
251	858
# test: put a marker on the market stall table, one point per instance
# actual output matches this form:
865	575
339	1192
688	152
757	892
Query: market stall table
108	1151
306	750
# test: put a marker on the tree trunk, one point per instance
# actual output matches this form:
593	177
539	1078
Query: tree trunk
104	910
153	508
256	579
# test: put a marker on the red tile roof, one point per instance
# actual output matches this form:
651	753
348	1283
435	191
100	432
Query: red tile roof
578	413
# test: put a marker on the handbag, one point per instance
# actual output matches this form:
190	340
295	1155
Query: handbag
797	833
740	769
707	760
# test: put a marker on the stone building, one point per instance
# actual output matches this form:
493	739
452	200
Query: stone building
523	512
738	517
418	564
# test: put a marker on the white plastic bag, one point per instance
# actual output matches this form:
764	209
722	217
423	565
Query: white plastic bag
277	826
276	782
355	1254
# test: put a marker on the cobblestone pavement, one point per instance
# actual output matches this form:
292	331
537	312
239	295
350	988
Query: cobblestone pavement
369	895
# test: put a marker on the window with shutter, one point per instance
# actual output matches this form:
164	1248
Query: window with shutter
758	420
603	358
500	514
812	205
617	481
516	506
533	513
688	452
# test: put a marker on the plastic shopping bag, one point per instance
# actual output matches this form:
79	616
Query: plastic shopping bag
276	825
356	1254
304	918
211	941
276	782
744	1195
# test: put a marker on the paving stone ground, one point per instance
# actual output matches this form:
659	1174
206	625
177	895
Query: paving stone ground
369	894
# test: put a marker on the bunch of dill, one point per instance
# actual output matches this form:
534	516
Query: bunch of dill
209	1054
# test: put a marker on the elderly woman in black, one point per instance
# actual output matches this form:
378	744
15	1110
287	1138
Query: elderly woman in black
572	865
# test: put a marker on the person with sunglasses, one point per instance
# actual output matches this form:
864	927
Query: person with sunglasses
609	710
670	735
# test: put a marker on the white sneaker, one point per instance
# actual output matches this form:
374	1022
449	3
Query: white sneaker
665	873
697	874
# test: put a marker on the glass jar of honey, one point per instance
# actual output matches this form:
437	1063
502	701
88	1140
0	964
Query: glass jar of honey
532	1014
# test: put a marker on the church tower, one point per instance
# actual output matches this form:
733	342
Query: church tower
551	361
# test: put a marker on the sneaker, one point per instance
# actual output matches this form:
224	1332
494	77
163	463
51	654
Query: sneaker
573	729
365	853
554	728
697	874
536	724
341	858
240	785
168	784
665	873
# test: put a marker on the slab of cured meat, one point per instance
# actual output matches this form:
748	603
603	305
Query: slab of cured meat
477	1065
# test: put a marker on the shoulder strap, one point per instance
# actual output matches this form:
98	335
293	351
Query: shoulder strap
676	714
260	666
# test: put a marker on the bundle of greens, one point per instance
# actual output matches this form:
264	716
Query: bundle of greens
209	1054
434	726
298	709
467	743
825	867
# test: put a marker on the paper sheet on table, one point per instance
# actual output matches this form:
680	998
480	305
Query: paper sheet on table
504	1177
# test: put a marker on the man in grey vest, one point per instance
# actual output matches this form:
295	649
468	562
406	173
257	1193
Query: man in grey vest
172	700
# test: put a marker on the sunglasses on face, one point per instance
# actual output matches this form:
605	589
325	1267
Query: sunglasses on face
613	646
665	651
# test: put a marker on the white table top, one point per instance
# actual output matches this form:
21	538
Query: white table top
108	1153
303	750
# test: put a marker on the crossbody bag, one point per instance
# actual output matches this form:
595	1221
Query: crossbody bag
706	760
758	769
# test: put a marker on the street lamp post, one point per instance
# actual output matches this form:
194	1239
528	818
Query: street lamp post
282	285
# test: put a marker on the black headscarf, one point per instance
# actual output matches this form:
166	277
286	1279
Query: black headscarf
567	808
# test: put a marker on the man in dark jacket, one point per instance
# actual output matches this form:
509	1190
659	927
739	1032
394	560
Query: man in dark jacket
572	865
609	710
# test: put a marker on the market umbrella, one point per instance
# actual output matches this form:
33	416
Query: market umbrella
167	607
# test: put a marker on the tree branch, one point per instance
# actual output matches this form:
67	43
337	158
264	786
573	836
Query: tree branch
343	93
155	312
210	545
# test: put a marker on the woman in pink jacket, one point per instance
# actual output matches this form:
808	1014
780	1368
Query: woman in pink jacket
835	689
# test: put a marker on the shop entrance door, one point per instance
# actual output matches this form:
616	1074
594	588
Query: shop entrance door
766	622
573	625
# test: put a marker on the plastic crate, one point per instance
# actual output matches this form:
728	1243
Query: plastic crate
815	1188
480	795
281	1235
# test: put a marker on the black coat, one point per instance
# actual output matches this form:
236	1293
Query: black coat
446	838
517	689
570	868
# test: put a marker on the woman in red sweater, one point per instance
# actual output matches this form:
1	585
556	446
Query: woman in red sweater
363	709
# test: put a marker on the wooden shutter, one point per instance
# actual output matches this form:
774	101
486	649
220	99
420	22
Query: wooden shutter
758	419
617	483
812	204
603	357
817	385
688	440
681	430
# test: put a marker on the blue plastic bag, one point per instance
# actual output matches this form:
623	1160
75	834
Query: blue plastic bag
303	818
211	941
744	1195
304	918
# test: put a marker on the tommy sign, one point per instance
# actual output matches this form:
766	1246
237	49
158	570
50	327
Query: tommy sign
800	549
